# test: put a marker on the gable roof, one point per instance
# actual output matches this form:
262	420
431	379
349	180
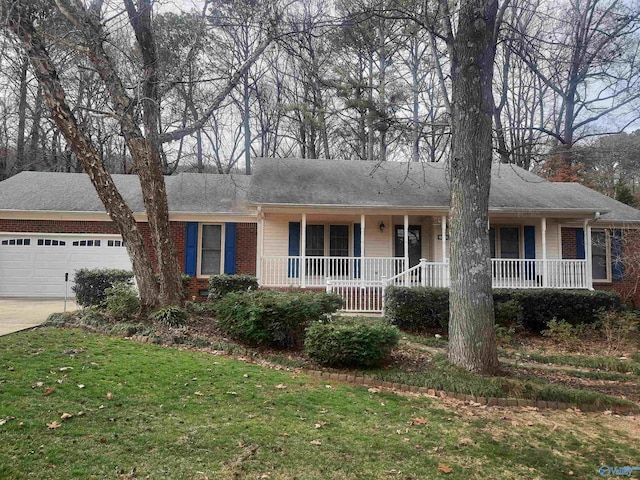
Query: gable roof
73	192
417	185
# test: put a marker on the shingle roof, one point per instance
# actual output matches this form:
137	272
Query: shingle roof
415	185
314	183
73	192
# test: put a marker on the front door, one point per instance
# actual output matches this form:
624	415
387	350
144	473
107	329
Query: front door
415	243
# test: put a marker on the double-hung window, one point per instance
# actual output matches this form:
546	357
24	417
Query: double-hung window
600	254
211	249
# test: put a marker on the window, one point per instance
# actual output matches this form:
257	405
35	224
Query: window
339	240
86	243
115	243
47	242
17	241
211	250
504	242
600	253
315	241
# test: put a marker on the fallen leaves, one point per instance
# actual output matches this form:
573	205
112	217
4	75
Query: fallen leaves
48	391
418	421
315	442
65	416
374	390
444	468
6	419
80	385
109	396
64	369
281	386
320	424
53	425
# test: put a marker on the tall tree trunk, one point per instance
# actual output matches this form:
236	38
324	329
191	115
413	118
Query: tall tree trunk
61	114
472	340
371	111
34	136
22	116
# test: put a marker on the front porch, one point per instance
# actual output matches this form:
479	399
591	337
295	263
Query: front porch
361	281
332	252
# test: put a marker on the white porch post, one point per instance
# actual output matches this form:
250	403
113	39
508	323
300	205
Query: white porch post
406	242
443	226
303	247
545	267
260	245
362	276
587	254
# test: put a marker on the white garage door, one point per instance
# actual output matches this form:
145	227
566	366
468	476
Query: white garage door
35	265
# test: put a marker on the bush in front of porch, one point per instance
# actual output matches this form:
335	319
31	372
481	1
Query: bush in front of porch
419	309
350	342
273	317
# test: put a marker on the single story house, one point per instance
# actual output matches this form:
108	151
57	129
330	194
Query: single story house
347	226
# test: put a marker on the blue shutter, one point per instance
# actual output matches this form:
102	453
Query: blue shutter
580	255
293	270
356	249
530	250
191	248
617	265
230	248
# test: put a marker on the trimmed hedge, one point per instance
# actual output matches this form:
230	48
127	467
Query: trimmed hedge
272	317
91	285
418	309
352	342
221	285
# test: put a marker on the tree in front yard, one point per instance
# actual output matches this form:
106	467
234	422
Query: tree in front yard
81	31
472	340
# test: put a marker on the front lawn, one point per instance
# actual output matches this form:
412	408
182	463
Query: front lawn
80	405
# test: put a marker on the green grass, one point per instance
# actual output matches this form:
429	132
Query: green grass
603	363
182	414
448	377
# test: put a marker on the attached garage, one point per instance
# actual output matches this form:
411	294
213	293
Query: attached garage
34	265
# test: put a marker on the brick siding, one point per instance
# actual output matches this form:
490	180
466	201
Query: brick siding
629	286
246	241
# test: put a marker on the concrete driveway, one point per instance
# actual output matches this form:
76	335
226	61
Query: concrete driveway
20	313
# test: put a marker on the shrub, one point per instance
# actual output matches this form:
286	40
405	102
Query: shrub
170	316
122	301
91	285
58	319
617	328
186	280
272	317
559	331
574	306
350	342
419	309
202	309
127	329
221	285
92	318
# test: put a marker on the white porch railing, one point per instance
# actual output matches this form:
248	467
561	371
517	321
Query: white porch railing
361	281
288	271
